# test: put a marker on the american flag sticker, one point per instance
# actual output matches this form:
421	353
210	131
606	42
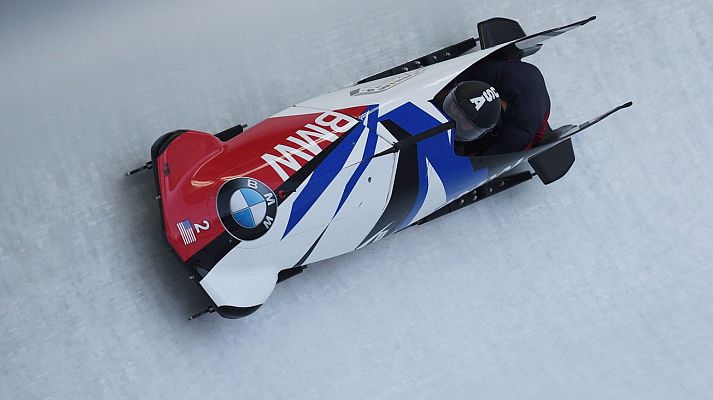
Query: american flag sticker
187	233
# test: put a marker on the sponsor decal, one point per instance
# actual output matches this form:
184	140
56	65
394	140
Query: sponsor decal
308	142
488	96
247	208
382	86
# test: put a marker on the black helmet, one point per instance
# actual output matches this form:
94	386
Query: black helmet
475	107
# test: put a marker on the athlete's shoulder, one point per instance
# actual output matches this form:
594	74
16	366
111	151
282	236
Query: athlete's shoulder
528	66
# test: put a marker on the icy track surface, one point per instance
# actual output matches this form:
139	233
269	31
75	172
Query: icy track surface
596	287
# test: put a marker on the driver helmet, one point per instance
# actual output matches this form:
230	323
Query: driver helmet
475	108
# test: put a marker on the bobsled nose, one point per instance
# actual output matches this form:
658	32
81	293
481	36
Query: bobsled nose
239	290
181	154
189	216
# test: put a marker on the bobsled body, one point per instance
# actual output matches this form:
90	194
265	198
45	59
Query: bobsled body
309	183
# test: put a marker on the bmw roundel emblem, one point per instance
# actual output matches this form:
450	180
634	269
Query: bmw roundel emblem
247	208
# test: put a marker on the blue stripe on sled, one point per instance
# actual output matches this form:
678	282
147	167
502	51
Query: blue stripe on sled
366	158
455	172
322	176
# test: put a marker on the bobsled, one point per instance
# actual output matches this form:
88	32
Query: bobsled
245	209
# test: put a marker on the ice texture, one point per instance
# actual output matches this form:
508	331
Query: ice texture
595	287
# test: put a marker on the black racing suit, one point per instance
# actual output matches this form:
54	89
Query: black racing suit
522	86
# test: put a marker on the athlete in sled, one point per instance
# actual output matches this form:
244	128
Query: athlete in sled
246	209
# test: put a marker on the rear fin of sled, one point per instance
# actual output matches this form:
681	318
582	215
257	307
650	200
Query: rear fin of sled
537	39
554	163
596	120
557	158
561	135
499	30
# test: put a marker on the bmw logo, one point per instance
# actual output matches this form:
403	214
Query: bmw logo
247	208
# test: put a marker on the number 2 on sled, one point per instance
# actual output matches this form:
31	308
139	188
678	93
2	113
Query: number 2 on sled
202	227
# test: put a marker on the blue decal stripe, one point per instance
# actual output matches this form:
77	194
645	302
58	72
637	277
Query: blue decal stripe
455	172
322	176
369	150
415	120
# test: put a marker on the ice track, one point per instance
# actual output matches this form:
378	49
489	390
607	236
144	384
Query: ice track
598	286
